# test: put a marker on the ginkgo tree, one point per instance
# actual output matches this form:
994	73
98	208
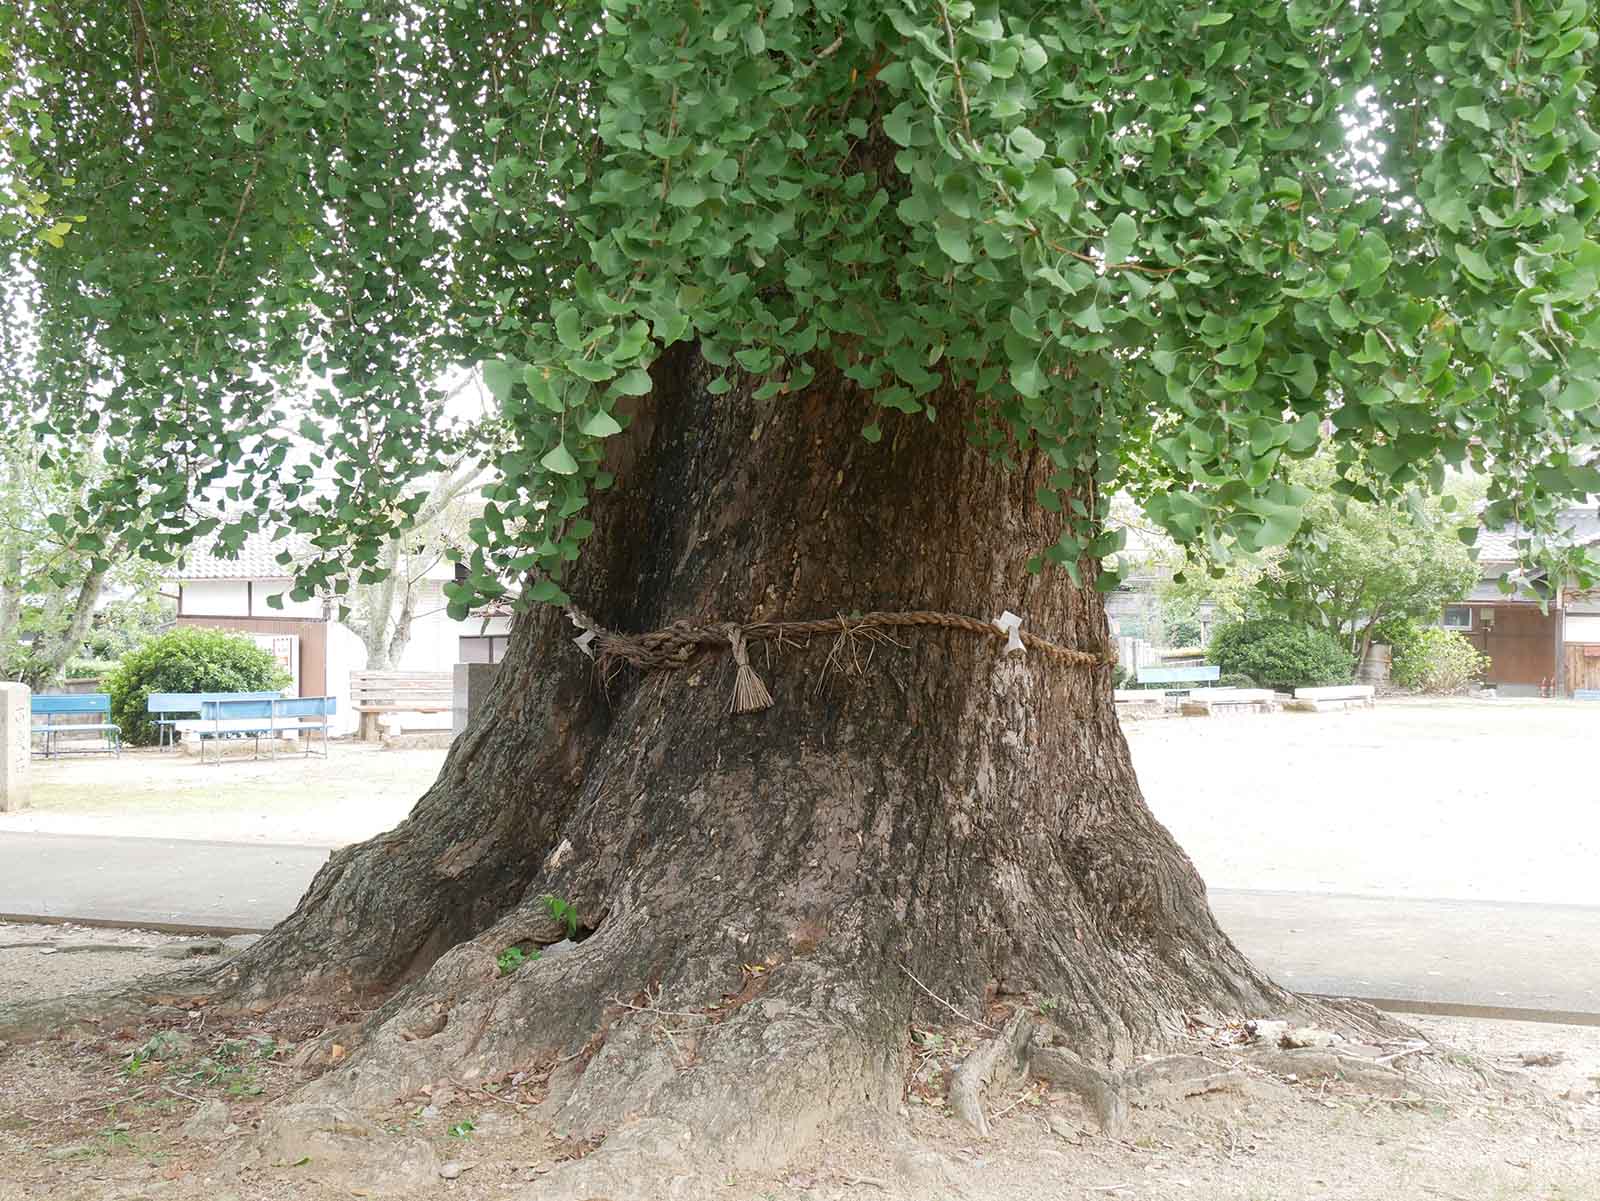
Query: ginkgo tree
796	311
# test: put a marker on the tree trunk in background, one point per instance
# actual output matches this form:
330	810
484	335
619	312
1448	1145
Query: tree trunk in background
374	629
401	636
10	611
910	806
70	640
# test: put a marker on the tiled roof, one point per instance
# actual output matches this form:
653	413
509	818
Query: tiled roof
1582	527
257	559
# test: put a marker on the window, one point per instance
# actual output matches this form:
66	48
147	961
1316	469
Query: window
1457	617
482	648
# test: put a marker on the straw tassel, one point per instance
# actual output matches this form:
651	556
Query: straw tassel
750	695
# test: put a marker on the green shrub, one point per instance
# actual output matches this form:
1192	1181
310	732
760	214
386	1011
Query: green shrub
88	669
1235	679
1279	653
1120	676
186	659
1437	661
1399	634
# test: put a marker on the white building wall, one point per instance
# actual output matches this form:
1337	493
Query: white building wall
215	598
291	608
345	655
435	637
1583	627
244	598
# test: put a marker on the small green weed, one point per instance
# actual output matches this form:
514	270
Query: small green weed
224	1069
117	1138
563	911
512	958
135	1062
462	1129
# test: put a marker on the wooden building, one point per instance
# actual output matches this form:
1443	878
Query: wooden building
1541	638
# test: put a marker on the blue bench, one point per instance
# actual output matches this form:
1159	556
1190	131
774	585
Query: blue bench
269	717
87	704
168	707
1184	677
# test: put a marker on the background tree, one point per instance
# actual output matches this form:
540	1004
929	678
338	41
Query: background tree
382	612
1355	563
815	308
54	577
1352	563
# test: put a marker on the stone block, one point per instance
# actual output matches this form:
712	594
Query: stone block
16	735
471	683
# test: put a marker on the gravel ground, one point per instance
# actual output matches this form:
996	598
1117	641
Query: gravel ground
38	961
107	1118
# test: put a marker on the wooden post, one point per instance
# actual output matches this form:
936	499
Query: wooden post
1560	623
15	740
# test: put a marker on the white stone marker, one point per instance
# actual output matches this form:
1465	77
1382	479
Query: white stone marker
15	736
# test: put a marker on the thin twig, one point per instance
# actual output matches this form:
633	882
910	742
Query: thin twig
238	216
1402	1054
827	52
946	1004
122	1100
1000	1113
955	63
669	1013
516	1105
167	1088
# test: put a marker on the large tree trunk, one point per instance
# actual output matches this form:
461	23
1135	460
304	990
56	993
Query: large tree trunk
915	815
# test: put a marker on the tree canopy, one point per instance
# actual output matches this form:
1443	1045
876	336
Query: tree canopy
1173	246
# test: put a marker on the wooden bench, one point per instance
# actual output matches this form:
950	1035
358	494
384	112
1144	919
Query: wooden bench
86	704
276	718
167	708
373	693
1184	677
1333	698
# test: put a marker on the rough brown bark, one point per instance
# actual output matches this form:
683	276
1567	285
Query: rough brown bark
767	900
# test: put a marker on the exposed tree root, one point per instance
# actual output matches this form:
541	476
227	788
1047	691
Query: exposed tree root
996	1062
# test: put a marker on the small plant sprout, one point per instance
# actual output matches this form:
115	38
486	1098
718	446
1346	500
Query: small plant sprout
512	958
563	911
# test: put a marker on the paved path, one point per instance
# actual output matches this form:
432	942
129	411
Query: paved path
152	881
1480	953
1522	956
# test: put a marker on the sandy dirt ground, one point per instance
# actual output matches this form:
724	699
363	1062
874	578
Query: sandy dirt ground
1470	800
361	789
176	1111
1467	800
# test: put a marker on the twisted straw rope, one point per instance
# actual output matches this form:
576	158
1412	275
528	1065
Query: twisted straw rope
677	645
